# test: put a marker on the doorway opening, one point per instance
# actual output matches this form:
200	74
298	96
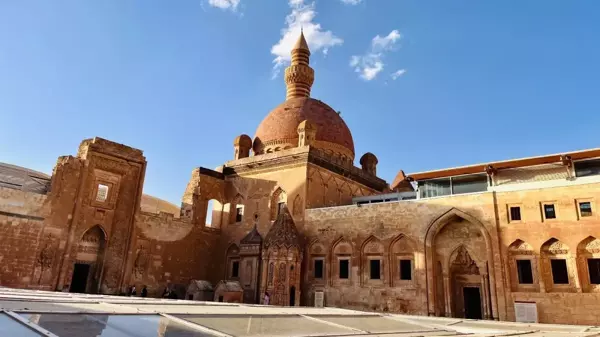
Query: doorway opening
472	300
292	296
80	278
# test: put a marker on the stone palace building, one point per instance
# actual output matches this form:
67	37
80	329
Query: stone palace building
291	215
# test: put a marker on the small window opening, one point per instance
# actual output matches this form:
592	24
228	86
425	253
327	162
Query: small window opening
344	269
515	213
549	211
102	193
375	270
524	272
559	271
406	270
318	272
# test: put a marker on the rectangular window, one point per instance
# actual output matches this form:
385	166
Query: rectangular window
515	213
235	269
318	271
434	188
344	269
469	184
549	211
406	270
375	269
587	168
594	270
559	271
102	193
585	208
524	272
239	212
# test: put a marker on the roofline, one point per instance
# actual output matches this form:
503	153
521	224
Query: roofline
505	164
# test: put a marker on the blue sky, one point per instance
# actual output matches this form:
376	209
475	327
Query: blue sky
480	80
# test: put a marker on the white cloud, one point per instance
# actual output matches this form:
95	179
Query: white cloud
398	73
369	65
351	2
301	17
231	5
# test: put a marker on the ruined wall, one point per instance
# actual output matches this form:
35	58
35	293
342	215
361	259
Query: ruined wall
22	224
169	251
384	224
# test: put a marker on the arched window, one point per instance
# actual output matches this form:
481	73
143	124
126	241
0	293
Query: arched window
233	262
214	213
316	268
402	261
588	258
523	267
236	210
341	261
372	261
278	201
558	266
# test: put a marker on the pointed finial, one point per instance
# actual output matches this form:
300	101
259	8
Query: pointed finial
301	43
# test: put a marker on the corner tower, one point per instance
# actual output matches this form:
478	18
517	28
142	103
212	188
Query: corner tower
299	76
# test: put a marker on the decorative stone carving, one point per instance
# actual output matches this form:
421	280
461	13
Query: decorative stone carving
297	211
555	248
520	247
270	273
141	262
46	257
463	263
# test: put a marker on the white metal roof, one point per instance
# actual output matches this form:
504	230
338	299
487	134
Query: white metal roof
40	313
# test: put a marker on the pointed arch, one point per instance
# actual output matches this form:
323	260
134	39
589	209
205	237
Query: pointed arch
522	267
316	257
558	266
588	264
278	199
402	251
372	261
232	258
95	231
432	230
341	258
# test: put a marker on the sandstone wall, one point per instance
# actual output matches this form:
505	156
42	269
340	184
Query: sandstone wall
167	251
22	222
385	223
572	303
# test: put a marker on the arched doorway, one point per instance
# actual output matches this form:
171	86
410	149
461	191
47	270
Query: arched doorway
87	270
459	259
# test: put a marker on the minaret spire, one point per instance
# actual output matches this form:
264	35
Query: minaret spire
299	76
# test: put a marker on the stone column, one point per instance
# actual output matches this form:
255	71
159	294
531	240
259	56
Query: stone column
447	295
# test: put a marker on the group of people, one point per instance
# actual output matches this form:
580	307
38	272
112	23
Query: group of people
133	291
168	293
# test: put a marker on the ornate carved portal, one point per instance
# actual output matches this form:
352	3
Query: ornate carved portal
87	271
458	249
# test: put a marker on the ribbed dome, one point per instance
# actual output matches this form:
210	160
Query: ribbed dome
279	130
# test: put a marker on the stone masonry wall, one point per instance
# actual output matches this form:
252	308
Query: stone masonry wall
171	251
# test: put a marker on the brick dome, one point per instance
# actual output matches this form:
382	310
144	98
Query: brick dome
279	130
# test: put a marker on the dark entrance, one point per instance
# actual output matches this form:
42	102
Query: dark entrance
80	278
472	298
292	296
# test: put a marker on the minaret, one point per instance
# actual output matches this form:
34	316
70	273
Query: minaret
299	76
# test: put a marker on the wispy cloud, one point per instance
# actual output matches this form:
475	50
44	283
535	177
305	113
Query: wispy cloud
369	65
398	73
351	2
302	17
231	5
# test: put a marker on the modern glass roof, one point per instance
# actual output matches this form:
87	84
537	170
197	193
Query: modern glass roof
38	313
